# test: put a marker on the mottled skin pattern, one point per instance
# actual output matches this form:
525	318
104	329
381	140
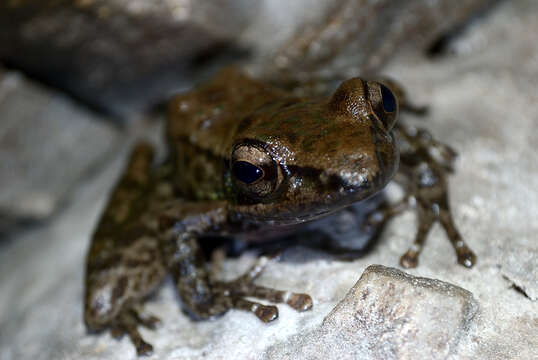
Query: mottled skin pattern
244	156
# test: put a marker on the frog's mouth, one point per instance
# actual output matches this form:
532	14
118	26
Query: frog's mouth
290	212
290	220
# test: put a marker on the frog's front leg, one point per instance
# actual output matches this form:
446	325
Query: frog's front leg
244	286
203	296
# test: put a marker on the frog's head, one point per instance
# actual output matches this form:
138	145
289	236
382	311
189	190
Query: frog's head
296	160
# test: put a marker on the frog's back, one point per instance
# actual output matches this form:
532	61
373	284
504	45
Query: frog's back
201	125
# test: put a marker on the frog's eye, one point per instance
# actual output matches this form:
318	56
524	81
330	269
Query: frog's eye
388	99
383	102
254	171
246	172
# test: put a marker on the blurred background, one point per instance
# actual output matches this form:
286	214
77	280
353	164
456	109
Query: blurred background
80	80
75	75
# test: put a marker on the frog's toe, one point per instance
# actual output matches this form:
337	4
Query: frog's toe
238	290
409	260
300	302
244	286
127	323
265	313
143	348
466	257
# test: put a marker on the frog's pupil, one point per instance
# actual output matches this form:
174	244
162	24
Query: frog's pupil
246	172
389	101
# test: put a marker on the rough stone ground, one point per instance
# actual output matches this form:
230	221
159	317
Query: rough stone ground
484	102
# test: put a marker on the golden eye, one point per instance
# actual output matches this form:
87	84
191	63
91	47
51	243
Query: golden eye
254	171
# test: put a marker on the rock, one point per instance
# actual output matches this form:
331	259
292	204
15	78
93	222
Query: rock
389	314
335	39
127	56
519	265
47	145
117	55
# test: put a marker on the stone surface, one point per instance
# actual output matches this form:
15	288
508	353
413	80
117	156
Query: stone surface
519	265
388	314
48	144
118	55
483	98
325	38
126	56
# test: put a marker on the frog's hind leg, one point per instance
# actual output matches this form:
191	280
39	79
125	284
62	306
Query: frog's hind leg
124	263
431	204
432	209
425	222
424	179
465	255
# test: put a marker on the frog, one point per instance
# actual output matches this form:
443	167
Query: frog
243	157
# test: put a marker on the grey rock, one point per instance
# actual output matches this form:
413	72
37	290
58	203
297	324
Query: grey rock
519	265
48	144
345	38
389	314
118	55
126	56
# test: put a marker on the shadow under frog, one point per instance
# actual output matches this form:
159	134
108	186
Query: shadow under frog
244	158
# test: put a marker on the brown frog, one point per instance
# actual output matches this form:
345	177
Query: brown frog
243	157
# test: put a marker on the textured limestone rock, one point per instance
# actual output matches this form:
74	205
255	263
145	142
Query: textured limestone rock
389	314
118	55
47	146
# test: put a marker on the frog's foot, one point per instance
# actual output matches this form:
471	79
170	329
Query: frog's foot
127	323
426	218
428	212
465	255
235	292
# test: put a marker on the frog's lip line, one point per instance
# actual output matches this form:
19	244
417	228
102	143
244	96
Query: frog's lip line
282	220
288	219
301	218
